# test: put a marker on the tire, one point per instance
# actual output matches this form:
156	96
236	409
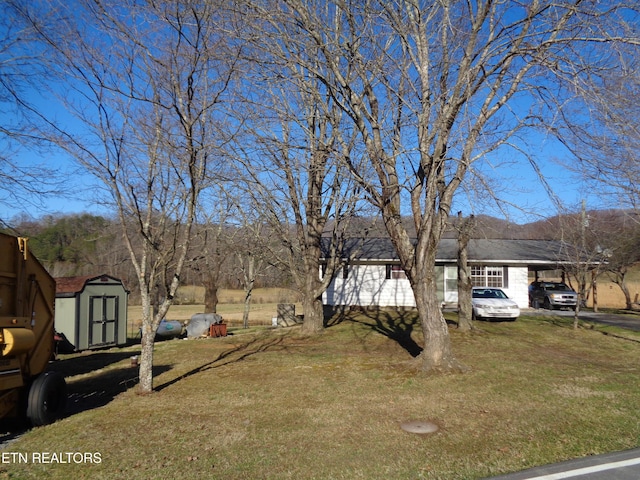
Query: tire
547	304
47	399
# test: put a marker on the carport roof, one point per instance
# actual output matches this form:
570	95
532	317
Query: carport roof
502	251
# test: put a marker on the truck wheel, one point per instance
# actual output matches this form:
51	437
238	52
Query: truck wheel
47	399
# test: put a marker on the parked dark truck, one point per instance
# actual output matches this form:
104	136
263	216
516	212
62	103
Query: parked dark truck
27	299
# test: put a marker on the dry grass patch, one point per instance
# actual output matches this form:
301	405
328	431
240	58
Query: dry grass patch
276	404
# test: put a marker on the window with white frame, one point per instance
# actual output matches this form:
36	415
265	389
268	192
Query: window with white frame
488	276
395	272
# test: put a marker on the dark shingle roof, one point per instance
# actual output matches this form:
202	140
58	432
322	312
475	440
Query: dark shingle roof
480	250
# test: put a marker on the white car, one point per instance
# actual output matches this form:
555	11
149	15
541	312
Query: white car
489	302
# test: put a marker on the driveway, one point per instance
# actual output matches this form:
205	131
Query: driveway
629	321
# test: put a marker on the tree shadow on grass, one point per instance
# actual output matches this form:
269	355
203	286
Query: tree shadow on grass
395	325
253	346
98	390
88	361
94	390
101	382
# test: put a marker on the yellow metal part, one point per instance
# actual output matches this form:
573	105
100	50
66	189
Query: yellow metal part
17	341
27	297
22	245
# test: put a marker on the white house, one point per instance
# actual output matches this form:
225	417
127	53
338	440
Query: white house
373	277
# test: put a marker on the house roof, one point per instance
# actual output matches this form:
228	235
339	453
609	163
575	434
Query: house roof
71	285
529	252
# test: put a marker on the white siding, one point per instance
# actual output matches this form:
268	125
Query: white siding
518	286
366	285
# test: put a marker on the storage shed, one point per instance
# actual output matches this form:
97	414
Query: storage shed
91	311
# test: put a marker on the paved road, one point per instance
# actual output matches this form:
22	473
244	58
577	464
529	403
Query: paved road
612	466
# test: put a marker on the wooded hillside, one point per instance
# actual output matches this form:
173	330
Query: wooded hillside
86	244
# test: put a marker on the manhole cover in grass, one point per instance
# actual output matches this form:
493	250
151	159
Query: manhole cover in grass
421	427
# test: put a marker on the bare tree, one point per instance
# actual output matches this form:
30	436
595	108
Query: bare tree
606	146
213	246
251	261
293	157
433	87
26	178
619	240
145	82
584	255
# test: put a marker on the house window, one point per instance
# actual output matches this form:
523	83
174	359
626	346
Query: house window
486	276
395	272
345	271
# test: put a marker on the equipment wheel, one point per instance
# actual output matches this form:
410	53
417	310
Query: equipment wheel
47	399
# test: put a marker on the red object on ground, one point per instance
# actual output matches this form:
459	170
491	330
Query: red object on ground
218	330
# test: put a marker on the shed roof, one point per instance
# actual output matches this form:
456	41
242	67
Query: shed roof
71	285
527	252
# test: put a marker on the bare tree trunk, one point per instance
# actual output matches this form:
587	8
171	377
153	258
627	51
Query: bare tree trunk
312	295
247	307
146	359
465	309
250	280
211	294
619	279
627	296
576	313
594	290
150	321
437	355
313	315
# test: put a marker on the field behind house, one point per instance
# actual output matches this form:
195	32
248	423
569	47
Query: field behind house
190	300
264	304
610	295
273	404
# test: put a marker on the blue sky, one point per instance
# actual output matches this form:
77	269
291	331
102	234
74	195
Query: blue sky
517	183
523	196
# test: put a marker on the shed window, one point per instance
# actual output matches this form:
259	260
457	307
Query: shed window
489	276
395	272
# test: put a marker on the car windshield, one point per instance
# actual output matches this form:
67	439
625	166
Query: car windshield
489	293
556	286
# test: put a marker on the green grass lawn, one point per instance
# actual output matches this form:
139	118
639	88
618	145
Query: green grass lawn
273	404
